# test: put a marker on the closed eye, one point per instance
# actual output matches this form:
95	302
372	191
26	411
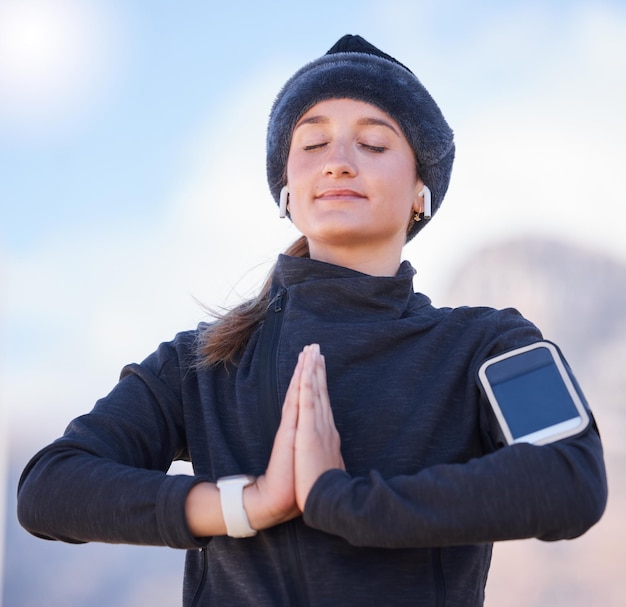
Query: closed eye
315	146
374	148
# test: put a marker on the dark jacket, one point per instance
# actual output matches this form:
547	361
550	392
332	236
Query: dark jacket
425	494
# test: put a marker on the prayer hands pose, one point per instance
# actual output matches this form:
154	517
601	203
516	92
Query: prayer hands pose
307	443
317	444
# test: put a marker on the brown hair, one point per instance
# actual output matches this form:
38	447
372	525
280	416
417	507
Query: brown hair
224	339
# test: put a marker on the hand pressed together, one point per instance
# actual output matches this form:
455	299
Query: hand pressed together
317	442
306	445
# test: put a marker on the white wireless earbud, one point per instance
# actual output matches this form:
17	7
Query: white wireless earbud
284	199
428	208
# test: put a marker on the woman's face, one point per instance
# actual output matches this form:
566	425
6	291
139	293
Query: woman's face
352	179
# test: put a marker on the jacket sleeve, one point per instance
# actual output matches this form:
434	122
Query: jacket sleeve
105	479
551	492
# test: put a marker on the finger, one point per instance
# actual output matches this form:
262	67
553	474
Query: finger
323	406
307	388
322	392
323	380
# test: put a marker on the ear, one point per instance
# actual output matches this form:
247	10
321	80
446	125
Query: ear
418	200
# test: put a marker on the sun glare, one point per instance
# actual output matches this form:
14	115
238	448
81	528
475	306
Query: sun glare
53	55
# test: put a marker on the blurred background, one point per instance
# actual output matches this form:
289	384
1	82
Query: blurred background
132	190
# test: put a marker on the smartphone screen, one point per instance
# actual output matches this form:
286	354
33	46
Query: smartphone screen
532	395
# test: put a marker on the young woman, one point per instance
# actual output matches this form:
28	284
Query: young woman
342	452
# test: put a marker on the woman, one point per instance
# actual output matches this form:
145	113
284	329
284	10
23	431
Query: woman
341	449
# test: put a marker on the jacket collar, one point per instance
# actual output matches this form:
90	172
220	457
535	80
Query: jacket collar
330	291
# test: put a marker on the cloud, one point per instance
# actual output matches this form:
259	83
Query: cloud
82	305
543	157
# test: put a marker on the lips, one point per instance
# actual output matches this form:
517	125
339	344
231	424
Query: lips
339	194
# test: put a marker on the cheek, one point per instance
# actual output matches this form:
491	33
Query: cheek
299	183
403	196
400	183
297	167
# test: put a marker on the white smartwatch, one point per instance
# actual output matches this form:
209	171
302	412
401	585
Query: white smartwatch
231	498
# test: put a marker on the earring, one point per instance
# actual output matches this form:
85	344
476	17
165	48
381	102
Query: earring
414	219
426	195
283	202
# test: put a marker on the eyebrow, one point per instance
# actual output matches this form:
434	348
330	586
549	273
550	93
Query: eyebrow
365	121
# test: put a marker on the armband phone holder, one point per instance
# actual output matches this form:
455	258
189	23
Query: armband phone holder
532	395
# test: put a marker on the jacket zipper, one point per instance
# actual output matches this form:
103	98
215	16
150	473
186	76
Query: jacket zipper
439	578
268	380
277	325
268	385
200	588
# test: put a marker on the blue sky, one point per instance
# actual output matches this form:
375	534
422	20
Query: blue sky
132	161
115	146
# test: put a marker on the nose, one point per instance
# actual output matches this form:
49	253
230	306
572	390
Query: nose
339	161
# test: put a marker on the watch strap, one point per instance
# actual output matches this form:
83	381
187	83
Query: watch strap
231	498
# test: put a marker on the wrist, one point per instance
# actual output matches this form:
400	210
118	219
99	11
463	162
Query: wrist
258	510
202	510
262	507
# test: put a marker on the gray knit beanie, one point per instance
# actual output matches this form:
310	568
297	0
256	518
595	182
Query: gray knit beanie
355	69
